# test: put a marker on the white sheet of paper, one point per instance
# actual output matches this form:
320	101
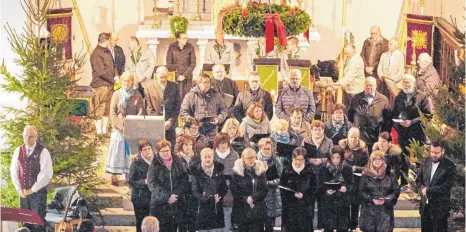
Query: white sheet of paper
398	120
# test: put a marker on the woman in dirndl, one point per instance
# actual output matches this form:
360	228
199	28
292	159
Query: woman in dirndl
125	101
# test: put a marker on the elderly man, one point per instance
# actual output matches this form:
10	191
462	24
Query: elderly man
371	51
391	69
220	52
182	54
428	80
405	113
254	94
117	54
295	95
353	79
226	87
140	63
103	78
31	171
370	112
163	96
205	105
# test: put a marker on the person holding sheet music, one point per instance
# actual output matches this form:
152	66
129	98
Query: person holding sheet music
162	97
273	201
298	128
249	188
125	101
298	184
356	155
231	127
226	87
255	122
379	192
206	105
338	125
335	184
227	157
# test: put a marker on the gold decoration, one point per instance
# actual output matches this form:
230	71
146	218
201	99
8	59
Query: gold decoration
419	38
155	25
178	7
198	16
59	32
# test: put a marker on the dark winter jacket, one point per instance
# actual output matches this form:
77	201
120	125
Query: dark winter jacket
228	164
248	182
200	105
185	59
103	70
273	200
119	60
140	193
288	98
357	158
247	97
170	102
296	211
164	182
336	213
209	215
378	217
371	119
393	158
408	109
298	136
332	133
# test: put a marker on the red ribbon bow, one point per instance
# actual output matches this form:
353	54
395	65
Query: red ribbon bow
270	21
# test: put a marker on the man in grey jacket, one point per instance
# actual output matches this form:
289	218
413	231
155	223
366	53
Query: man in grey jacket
205	105
295	95
428	80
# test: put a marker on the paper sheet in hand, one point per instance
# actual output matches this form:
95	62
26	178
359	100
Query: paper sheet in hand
398	120
227	99
139	127
333	186
357	174
285	150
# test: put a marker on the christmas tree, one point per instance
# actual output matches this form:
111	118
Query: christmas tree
46	81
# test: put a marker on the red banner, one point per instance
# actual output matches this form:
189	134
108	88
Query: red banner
59	26
420	30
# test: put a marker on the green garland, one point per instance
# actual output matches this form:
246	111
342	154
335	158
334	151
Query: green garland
178	24
253	25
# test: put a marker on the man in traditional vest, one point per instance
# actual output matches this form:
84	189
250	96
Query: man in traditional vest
31	171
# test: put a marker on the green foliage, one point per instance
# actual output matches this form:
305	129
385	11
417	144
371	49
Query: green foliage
178	24
253	25
44	82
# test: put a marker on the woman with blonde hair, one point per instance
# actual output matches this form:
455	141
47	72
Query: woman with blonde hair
125	101
231	127
379	193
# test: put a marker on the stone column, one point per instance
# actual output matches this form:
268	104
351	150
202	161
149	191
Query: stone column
202	45
153	43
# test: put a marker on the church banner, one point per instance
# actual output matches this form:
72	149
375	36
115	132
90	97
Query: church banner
420	29
59	26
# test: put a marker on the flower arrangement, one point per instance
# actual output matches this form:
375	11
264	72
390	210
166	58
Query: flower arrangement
178	24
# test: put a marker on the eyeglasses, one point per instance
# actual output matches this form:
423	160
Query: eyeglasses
250	158
164	151
377	159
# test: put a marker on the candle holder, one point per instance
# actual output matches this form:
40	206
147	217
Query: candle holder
155	25
198	16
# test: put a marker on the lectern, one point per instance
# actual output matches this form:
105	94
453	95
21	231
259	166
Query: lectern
269	71
137	127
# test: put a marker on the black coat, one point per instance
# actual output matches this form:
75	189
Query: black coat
172	103
332	133
248	183
295	217
358	158
393	158
209	215
164	182
438	188
140	193
375	217
371	119
335	214
119	60
409	110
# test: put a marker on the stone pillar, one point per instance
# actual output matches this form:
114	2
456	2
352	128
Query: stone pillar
249	64
153	43
202	45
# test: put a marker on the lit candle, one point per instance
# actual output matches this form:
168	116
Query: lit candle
244	10
292	9
283	2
